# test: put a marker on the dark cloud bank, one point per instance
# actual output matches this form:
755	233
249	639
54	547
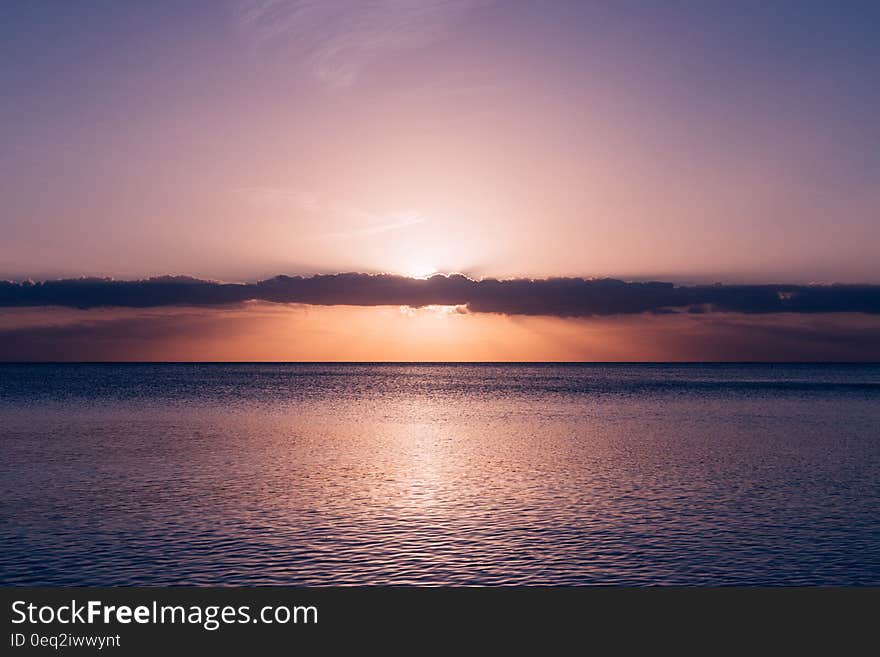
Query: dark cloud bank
559	297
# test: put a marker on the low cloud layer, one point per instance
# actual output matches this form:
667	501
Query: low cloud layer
557	297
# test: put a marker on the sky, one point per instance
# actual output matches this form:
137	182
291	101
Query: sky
689	142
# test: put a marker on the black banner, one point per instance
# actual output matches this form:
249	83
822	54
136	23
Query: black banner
133	621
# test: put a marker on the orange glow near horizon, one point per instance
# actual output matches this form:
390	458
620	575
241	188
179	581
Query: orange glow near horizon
267	332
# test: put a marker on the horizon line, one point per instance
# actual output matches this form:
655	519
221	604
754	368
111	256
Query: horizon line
438	362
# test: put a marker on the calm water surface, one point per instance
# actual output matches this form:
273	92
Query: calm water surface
439	474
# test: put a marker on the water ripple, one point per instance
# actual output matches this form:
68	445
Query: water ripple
433	475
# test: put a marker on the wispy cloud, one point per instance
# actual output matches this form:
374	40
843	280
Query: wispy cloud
280	198
336	39
402	220
352	220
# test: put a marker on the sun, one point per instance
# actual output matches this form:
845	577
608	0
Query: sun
419	270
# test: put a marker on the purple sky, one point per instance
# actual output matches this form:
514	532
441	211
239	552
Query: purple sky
699	141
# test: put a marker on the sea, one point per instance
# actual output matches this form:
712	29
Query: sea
439	474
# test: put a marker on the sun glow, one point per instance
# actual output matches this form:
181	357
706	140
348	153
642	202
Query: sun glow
419	270
432	311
